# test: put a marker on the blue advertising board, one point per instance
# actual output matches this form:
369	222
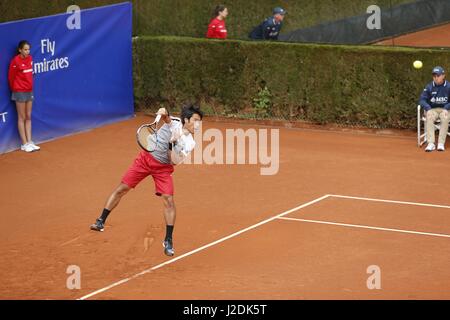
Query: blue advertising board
82	72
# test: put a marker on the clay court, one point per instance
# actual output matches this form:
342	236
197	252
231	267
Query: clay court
341	202
432	37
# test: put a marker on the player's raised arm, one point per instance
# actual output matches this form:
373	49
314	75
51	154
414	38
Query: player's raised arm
164	115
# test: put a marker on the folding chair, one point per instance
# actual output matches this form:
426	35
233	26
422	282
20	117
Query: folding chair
422	137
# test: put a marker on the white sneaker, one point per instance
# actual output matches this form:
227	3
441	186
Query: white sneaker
441	147
35	147
430	147
27	147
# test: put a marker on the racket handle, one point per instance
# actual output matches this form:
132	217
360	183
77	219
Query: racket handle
158	117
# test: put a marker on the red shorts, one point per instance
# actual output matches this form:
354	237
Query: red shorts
143	166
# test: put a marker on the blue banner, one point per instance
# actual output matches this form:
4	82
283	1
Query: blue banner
82	72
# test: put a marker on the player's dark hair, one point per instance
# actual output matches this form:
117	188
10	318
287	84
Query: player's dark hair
218	9
22	44
188	110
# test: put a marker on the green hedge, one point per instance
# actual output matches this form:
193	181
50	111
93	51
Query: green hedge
366	86
191	17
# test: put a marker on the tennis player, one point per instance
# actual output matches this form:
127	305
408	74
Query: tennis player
175	142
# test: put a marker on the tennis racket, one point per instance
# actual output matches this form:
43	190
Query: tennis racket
147	135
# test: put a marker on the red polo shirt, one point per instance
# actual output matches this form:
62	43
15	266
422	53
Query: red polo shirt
20	74
217	29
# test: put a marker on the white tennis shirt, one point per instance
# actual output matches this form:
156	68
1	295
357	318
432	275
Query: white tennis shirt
182	143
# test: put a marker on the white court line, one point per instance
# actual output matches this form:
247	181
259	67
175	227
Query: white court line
367	227
392	201
201	248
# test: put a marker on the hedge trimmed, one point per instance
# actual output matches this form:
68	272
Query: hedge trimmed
369	86
191	17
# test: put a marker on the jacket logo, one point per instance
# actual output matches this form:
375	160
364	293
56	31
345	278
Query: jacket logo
439	100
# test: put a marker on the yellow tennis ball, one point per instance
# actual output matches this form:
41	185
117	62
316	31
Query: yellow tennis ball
418	64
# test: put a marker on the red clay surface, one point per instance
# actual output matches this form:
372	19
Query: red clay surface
432	37
49	199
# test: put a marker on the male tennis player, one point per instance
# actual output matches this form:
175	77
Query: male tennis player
175	142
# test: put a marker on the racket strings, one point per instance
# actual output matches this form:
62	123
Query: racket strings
147	135
147	138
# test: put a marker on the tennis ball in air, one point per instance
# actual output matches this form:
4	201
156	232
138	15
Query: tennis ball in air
417	64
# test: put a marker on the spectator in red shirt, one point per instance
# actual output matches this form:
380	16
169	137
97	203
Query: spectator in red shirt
20	78
217	28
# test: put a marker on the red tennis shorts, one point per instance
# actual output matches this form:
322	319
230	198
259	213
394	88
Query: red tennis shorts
143	166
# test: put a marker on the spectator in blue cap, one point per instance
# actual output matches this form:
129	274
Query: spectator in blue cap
270	28
435	100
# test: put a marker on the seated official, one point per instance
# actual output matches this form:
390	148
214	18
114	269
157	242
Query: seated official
435	100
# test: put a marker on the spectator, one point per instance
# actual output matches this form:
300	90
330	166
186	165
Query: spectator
270	28
435	100
20	78
217	28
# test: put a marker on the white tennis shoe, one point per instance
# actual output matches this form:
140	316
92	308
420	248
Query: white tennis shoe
430	147
34	146
440	147
27	147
